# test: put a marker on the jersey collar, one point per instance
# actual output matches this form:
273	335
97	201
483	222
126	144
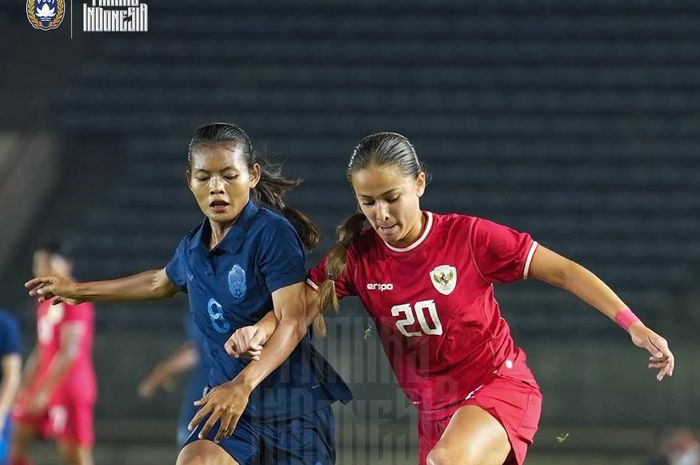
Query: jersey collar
234	237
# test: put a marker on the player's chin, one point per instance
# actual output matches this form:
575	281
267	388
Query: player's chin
225	217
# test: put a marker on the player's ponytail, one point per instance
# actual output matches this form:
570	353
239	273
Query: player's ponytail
271	189
335	266
272	185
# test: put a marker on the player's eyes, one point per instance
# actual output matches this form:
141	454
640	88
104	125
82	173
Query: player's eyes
231	177
202	178
367	204
393	199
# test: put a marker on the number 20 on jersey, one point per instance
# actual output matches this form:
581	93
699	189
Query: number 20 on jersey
426	314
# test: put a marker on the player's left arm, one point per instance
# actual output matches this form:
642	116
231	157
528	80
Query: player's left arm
71	334
227	401
552	268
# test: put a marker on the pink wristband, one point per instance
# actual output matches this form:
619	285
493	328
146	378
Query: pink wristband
626	318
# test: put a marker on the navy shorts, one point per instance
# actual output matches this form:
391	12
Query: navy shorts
305	440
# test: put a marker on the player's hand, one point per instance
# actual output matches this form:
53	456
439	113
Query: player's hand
38	403
224	404
661	357
149	386
246	342
47	287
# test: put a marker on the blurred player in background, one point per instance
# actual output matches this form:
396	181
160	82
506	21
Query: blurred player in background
191	355
59	389
241	261
678	446
427	281
10	378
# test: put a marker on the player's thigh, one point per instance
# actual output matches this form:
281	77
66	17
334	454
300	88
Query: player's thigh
472	437
72	421
74	453
204	452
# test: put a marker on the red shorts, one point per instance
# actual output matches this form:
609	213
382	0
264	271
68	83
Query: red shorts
64	419
516	404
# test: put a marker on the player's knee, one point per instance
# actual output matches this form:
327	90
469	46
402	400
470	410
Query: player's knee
439	456
444	456
203	453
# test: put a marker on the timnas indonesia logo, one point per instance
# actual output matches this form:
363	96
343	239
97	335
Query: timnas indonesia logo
115	16
46	14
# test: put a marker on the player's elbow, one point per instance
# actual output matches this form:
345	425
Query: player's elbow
296	327
568	274
161	287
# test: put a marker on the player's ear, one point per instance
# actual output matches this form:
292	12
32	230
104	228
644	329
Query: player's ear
420	184
188	179
255	175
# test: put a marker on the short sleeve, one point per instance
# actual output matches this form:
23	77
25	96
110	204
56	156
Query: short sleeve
501	254
176	269
281	256
9	336
343	284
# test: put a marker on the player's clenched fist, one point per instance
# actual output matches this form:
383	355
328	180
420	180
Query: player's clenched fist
246	342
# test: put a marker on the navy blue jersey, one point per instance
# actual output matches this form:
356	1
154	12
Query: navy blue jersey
230	286
9	334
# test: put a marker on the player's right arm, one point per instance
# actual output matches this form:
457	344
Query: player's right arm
149	285
248	340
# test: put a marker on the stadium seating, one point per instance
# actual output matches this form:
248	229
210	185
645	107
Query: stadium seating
574	121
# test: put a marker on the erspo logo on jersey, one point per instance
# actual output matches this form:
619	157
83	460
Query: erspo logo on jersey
115	16
46	14
380	287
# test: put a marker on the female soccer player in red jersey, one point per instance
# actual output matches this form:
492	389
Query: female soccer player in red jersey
60	388
427	281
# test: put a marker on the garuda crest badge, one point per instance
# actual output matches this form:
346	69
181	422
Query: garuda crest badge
444	278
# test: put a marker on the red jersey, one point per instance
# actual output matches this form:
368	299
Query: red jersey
434	307
80	382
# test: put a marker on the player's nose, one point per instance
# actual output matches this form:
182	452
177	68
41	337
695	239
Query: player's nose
382	211
216	185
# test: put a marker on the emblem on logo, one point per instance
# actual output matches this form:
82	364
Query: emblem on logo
236	282
46	14
444	278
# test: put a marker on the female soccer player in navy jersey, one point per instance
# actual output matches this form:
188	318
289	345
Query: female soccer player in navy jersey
427	281
240	262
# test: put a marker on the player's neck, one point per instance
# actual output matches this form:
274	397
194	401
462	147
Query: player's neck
218	232
414	234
